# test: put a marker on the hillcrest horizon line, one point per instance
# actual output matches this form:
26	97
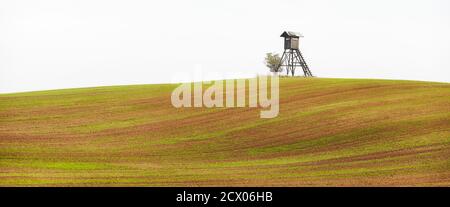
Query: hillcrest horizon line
213	96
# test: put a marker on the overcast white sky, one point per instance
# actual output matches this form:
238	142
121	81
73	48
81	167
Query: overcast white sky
53	44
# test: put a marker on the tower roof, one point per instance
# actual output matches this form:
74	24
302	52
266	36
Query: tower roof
291	34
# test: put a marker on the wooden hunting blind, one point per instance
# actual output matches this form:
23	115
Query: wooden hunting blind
291	40
292	57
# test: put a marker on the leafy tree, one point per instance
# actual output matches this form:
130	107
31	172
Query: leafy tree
272	61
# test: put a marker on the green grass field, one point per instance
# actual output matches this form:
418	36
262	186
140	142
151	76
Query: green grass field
329	132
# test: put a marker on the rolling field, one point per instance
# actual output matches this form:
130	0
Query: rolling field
329	132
